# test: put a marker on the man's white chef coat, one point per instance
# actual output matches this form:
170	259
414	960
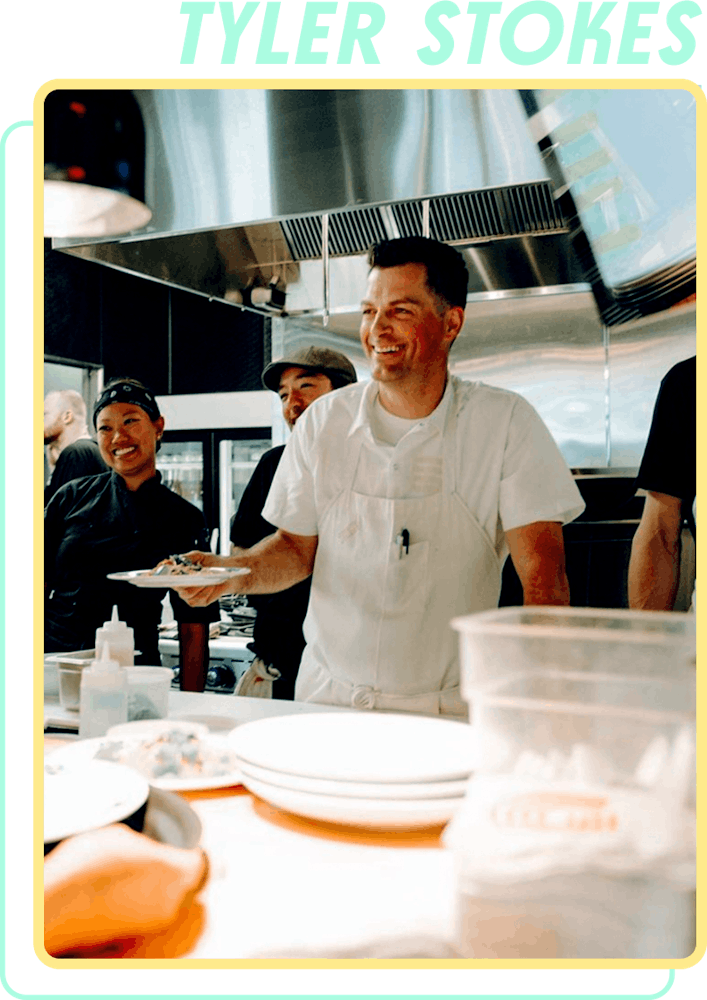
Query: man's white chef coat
510	471
505	471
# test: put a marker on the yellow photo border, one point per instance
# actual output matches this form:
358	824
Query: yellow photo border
313	84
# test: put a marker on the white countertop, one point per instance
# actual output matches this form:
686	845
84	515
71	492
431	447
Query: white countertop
279	886
278	892
229	709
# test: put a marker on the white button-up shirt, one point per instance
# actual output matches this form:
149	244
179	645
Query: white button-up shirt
509	471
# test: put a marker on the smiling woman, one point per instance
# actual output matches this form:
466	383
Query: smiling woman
128	438
122	520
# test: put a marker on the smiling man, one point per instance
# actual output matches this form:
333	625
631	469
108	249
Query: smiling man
304	375
403	496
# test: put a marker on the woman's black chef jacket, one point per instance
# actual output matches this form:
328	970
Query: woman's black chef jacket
96	525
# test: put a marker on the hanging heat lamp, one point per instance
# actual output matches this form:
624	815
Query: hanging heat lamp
94	164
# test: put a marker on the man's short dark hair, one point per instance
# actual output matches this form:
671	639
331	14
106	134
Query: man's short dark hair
447	274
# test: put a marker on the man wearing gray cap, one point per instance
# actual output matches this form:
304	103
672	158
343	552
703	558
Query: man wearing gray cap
299	378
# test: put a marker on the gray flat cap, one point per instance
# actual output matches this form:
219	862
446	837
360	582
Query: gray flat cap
334	365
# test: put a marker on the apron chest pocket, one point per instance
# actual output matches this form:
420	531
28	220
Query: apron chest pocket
405	579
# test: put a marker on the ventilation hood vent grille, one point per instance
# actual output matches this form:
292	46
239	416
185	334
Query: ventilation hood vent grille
474	216
350	232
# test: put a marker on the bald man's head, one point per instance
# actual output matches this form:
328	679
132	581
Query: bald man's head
64	417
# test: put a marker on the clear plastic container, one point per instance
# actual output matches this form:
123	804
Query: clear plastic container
51	676
545	680
585	916
576	836
69	667
148	692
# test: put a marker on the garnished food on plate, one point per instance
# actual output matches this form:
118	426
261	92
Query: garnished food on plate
176	566
176	571
173	754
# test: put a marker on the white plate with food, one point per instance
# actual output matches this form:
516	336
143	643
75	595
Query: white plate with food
360	746
83	795
209	576
173	760
380	813
152	728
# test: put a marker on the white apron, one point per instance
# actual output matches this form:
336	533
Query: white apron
377	628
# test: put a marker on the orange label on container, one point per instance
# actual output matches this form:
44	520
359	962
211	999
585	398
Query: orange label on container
556	811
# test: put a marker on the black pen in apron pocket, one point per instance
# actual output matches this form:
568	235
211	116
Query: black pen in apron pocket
403	542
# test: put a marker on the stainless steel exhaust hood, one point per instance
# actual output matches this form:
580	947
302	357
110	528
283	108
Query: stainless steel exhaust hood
244	185
269	198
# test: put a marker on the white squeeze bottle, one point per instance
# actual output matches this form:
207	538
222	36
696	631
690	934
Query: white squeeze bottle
119	638
104	696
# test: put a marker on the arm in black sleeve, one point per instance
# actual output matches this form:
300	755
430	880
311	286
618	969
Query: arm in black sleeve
669	460
82	458
53	531
249	527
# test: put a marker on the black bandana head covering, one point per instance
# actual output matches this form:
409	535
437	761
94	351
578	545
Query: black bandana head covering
127	392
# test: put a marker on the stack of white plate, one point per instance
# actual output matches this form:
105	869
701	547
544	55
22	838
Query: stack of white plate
374	770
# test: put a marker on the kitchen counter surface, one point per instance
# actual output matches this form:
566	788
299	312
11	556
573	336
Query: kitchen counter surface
224	711
283	886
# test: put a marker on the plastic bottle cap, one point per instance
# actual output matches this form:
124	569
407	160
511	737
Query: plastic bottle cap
115	624
104	664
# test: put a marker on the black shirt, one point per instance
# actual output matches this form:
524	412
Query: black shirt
277	634
669	461
96	525
81	458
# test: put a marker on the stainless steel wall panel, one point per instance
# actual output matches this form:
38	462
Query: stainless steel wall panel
594	387
640	354
548	346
